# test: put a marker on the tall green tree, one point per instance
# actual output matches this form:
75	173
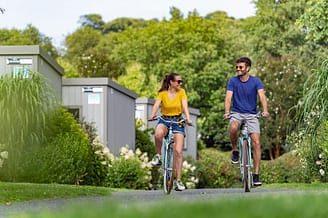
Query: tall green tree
314	21
28	36
94	21
281	59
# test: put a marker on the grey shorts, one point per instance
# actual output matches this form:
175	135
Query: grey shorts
250	119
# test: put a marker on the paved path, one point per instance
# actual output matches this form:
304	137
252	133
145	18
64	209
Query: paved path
139	197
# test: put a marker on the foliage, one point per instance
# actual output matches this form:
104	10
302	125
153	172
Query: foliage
214	170
64	160
311	115
288	168
100	161
24	104
129	170
80	41
314	101
135	79
282	59
29	36
121	24
63	157
94	21
143	140
189	174
321	161
314	21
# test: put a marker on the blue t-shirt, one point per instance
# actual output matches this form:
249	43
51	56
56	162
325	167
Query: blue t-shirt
244	95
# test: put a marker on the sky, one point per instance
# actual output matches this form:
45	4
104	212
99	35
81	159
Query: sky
58	18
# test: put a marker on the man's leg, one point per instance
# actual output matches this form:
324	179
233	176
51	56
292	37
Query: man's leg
256	157
234	126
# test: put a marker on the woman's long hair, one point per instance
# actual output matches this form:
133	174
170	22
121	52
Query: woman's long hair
166	81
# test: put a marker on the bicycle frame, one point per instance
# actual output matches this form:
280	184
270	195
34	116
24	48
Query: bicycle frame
245	157
168	169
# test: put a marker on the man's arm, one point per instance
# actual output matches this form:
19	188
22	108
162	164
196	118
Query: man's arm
227	104
264	102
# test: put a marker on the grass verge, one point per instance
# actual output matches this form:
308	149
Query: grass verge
18	192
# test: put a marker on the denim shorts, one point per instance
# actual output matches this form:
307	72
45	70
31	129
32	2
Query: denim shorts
251	120
176	128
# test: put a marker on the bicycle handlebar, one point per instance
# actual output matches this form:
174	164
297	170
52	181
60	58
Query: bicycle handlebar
258	115
183	120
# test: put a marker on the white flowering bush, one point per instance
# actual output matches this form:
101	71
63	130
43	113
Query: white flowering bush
189	175
130	170
321	160
101	160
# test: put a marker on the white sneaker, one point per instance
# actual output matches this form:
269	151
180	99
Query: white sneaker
179	186
156	161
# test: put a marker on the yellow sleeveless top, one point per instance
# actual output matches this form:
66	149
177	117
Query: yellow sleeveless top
171	107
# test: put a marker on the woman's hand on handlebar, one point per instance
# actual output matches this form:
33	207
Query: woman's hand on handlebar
151	118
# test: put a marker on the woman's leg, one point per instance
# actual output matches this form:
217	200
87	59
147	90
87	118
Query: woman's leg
178	147
160	132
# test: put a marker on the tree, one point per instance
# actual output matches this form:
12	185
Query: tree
121	24
314	21
80	41
176	14
92	20
28	36
281	59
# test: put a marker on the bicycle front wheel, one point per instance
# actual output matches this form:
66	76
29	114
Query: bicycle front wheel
246	166
168	170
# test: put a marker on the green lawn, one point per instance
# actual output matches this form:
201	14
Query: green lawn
17	192
310	203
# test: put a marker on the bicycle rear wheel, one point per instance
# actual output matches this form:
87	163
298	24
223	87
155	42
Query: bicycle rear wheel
168	170
246	166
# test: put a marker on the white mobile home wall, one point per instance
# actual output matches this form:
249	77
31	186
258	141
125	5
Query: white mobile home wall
110	106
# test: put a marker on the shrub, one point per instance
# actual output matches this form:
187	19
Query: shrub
64	156
130	170
100	161
286	169
63	160
215	170
143	139
189	174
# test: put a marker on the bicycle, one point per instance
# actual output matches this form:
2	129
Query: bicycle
168	157
245	155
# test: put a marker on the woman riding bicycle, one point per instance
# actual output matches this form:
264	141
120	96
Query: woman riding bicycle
173	101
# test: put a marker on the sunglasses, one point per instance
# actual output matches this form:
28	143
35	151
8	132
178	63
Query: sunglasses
179	81
239	67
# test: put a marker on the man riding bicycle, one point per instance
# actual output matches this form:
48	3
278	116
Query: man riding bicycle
243	90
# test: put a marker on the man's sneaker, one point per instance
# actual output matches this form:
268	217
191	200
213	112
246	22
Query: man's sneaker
179	185
156	161
256	180
235	157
